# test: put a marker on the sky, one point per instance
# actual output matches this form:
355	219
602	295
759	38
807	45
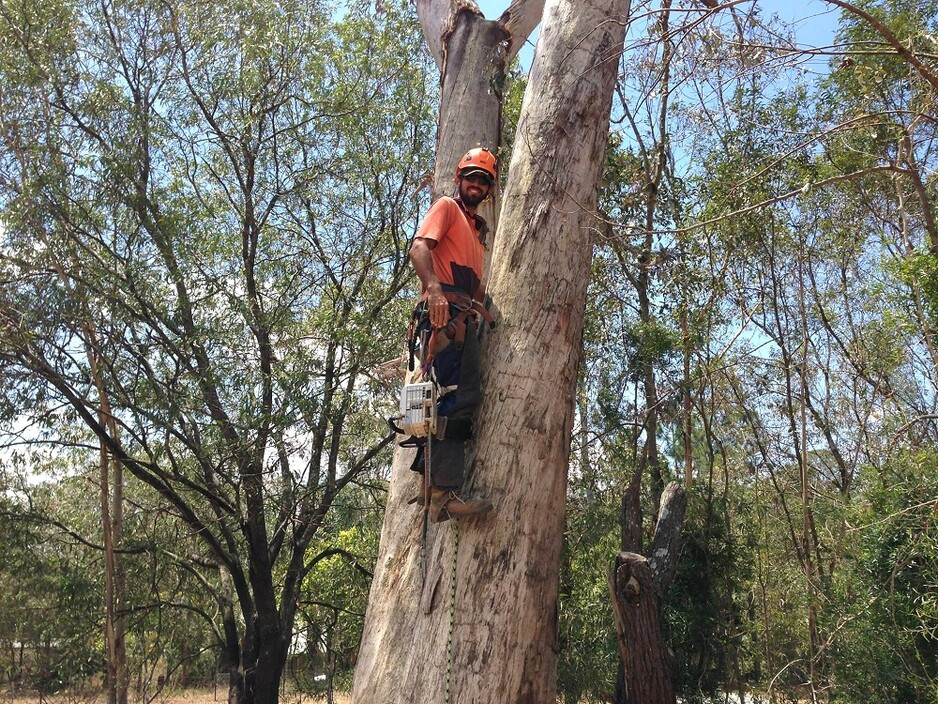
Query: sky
814	21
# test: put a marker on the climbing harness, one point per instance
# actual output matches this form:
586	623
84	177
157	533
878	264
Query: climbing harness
417	413
466	307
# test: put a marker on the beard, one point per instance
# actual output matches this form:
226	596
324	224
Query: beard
471	200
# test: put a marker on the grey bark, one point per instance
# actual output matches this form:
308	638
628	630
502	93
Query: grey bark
666	544
507	565
470	98
471	53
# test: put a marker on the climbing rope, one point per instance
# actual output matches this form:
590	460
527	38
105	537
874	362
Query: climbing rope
452	615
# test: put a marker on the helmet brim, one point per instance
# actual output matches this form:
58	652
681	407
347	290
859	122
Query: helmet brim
475	170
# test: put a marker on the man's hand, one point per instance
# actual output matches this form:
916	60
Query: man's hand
423	264
438	306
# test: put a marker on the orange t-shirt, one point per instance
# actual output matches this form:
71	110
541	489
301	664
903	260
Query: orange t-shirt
458	257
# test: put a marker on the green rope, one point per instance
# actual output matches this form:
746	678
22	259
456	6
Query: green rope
424	557
448	680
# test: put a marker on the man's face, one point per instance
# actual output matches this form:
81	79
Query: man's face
474	188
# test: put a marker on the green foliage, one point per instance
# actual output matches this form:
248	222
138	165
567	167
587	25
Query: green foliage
649	343
919	272
588	650
206	211
881	80
515	84
213	202
890	651
710	599
806	305
335	593
50	618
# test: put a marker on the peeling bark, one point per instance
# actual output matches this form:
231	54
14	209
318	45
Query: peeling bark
507	566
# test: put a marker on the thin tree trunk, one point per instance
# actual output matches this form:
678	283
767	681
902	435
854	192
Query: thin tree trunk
112	518
806	495
112	514
687	398
654	174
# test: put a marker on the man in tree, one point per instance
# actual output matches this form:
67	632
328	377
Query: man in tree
448	256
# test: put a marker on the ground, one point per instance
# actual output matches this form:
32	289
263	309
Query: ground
189	696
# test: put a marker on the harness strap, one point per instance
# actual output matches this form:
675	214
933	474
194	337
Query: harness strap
428	356
467	304
456	327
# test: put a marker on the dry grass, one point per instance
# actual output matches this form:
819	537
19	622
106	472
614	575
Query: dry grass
188	696
195	696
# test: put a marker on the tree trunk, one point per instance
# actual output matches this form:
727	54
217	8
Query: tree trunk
112	525
665	546
470	85
647	672
502	606
394	605
638	586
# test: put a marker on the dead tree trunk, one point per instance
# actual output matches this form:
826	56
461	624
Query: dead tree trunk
474	59
472	54
495	589
637	586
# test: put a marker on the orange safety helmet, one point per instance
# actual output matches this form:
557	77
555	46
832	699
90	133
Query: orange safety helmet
478	159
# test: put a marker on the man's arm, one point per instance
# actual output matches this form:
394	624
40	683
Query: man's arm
422	260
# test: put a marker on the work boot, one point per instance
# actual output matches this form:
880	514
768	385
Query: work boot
446	504
417	498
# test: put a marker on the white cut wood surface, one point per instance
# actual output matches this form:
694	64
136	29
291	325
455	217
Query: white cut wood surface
437	18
